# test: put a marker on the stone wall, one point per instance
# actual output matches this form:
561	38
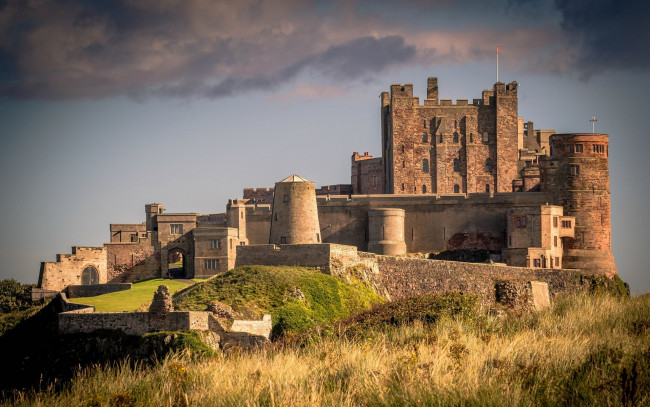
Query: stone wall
75	291
67	269
131	323
308	255
132	261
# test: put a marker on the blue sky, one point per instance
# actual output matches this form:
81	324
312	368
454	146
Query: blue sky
108	105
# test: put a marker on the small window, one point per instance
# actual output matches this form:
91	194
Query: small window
402	187
569	148
424	189
276	216
486	137
456	189
455	137
566	224
523	221
555	241
537	263
425	165
284	240
598	148
425	138
211	264
403	164
488	165
518	222
241	215
286	198
487	188
575	170
425	124
176	229
215	244
242	243
441	138
578	148
555	221
402	149
456	165
318	237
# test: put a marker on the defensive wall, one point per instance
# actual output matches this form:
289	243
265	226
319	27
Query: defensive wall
93	290
400	277
68	269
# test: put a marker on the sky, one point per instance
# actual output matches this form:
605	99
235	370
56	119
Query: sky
108	105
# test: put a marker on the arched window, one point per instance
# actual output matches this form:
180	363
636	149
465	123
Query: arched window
89	276
488	165
456	165
424	189
455	137
456	189
425	165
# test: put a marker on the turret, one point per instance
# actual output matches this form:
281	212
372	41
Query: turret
151	210
578	173
294	218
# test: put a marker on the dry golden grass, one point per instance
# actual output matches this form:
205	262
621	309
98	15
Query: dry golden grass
585	350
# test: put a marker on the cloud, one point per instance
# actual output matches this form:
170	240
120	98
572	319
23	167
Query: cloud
309	91
211	49
611	35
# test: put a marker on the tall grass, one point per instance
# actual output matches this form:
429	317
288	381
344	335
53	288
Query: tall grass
585	350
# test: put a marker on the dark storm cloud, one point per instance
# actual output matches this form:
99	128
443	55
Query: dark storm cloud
611	34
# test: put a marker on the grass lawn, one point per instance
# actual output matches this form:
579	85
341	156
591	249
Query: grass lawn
129	300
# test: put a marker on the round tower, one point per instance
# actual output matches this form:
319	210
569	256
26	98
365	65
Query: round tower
294	217
581	184
386	231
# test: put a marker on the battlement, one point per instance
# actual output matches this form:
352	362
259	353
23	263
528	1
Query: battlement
357	157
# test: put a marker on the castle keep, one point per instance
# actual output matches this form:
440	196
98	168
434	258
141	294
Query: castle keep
452	176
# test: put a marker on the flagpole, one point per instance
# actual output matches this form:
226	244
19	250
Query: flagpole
497	62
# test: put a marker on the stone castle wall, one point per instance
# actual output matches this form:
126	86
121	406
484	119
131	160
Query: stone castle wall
67	268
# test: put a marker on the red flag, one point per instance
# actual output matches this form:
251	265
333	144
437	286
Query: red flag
498	48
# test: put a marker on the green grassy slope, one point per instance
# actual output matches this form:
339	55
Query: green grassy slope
130	300
255	290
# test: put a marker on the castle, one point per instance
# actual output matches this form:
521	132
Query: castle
451	176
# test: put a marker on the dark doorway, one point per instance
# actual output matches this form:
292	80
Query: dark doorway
89	276
176	264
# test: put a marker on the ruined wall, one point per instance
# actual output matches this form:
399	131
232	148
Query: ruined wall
131	323
68	268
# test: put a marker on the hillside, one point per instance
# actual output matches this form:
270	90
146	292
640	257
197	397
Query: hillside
296	297
585	350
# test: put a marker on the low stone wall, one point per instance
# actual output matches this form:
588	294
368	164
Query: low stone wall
75	291
131	323
307	255
256	328
406	277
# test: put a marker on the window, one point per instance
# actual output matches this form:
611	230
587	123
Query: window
318	237
537	263
555	241
441	138
402	149
242	243
555	221
520	221
487	188
578	148
284	240
425	124
455	137
598	148
488	165
402	187
276	216
425	138
486	137
286	198
456	189
569	148
403	164
566	224
176	229
211	264
575	170
456	165
215	244
425	165
424	189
